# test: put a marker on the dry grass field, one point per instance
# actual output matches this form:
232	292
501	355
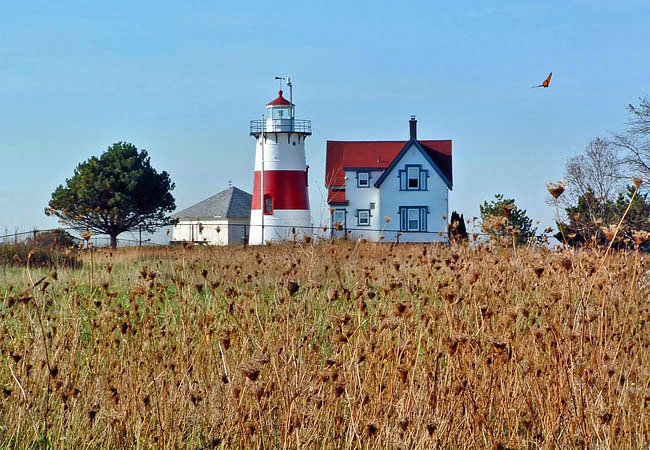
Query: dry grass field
335	345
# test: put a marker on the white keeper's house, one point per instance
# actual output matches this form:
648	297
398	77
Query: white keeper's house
221	219
390	190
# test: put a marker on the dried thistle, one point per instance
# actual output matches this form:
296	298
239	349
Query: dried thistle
609	232
566	263
292	287
507	209
556	189
371	430
251	370
399	309
640	236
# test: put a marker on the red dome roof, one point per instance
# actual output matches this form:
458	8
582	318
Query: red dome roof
280	101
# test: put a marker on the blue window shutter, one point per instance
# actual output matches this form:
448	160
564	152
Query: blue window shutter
423	219
402	180
424	174
403	217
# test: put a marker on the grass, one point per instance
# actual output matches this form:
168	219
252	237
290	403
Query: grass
335	345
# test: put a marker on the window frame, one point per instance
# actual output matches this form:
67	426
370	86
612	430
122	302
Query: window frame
405	218
345	214
416	220
359	212
409	168
367	174
422	178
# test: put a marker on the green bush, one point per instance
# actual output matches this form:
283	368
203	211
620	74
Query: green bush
58	239
17	254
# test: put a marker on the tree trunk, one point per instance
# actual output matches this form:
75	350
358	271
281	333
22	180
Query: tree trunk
113	241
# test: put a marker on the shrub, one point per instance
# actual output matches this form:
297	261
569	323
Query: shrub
55	239
17	254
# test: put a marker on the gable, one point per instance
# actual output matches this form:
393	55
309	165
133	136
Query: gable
426	152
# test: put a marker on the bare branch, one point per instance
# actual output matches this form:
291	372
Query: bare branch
635	140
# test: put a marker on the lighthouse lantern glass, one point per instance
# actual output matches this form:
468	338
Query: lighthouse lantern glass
279	112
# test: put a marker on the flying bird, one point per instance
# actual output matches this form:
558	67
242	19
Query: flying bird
546	82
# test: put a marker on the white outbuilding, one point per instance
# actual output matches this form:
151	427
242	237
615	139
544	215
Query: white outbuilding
222	219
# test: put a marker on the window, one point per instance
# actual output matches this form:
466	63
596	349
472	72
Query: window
413	174
363	216
363	179
413	178
413	218
280	113
268	204
338	216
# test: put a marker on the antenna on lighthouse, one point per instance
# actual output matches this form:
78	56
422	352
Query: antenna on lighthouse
290	84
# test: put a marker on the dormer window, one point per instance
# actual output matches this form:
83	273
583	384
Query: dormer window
363	179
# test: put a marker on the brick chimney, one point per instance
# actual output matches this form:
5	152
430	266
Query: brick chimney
413	127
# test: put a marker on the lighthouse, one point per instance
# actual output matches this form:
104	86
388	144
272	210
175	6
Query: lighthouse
280	206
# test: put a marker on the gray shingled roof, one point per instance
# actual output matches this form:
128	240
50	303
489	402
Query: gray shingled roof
231	203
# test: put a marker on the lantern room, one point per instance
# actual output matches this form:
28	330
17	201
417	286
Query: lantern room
280	118
280	108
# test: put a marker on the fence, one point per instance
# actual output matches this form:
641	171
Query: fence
95	240
200	233
224	234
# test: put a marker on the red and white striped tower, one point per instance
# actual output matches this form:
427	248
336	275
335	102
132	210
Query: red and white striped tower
282	211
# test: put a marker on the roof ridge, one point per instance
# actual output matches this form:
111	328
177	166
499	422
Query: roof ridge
391	140
231	192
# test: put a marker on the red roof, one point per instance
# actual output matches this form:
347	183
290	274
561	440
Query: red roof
280	101
343	155
336	197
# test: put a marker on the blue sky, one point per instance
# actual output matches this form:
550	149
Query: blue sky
183	79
